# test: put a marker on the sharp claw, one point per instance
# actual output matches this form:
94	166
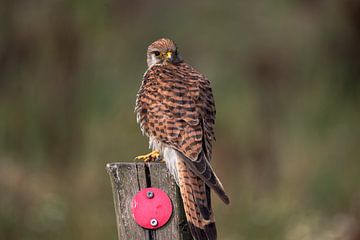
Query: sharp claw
150	157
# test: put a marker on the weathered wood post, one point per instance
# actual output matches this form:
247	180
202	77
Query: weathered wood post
126	180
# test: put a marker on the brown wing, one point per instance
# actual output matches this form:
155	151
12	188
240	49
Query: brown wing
167	109
175	106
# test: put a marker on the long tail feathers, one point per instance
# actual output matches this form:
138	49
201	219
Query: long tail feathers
201	167
197	205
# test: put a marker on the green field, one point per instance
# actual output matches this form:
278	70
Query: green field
286	80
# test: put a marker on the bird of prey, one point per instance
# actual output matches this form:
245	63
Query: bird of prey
176	111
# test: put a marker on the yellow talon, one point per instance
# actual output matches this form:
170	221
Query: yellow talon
150	157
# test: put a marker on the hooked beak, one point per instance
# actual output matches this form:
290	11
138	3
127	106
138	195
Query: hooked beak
169	56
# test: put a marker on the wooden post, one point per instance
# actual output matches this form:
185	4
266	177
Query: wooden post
126	180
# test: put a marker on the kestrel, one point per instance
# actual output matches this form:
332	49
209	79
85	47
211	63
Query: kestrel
175	109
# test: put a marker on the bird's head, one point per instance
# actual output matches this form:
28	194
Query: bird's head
162	51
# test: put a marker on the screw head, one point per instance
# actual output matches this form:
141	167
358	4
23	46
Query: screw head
149	194
144	210
153	222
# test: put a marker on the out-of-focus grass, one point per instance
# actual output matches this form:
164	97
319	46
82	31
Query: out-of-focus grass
285	78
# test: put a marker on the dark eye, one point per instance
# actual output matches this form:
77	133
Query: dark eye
157	53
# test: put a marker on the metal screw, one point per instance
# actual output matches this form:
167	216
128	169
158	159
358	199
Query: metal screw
149	194
153	222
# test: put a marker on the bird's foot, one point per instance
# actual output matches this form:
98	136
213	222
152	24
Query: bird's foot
154	156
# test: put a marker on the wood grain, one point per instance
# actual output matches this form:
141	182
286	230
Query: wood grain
126	180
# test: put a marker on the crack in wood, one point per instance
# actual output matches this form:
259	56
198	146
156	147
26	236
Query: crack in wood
147	175
127	179
151	233
137	175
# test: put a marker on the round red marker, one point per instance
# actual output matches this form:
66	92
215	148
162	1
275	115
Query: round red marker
151	208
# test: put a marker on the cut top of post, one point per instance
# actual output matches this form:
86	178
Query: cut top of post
127	180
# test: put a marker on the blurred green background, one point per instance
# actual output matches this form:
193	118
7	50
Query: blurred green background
286	79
